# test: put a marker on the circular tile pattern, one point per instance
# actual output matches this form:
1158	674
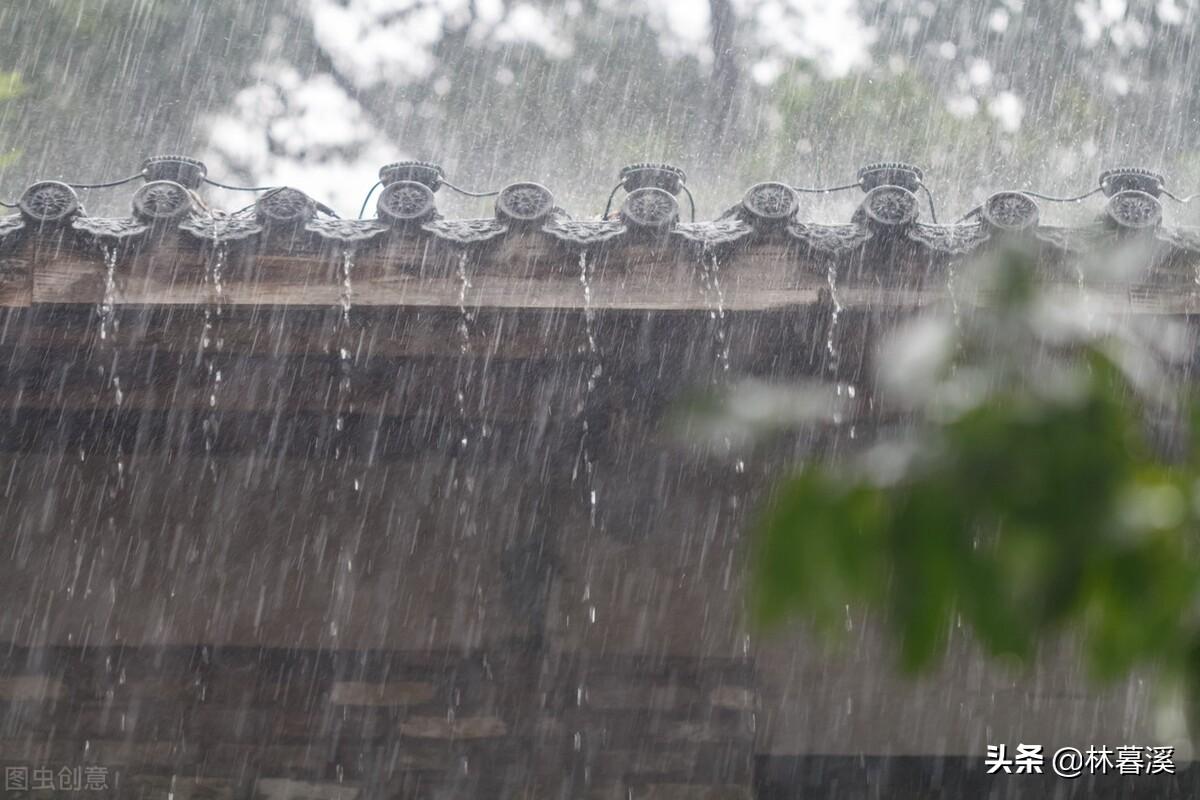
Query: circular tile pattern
524	202
1124	179
285	206
890	206
771	202
48	201
890	173
656	176
183	170
161	201
1011	211
423	172
650	209
1134	209
405	202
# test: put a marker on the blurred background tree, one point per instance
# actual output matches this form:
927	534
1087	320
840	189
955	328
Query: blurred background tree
11	88
1042	490
106	82
984	94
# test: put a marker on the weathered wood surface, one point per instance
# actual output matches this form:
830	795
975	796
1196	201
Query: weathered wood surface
531	272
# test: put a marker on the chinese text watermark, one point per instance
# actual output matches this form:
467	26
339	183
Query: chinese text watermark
61	779
1072	762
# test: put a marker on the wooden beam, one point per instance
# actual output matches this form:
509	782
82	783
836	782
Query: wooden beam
525	271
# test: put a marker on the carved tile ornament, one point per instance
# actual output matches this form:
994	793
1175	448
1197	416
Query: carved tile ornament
346	230
1010	211
890	173
889	214
188	172
161	202
1133	209
830	239
1136	179
650	209
771	203
117	228
236	227
711	234
525	203
156	205
221	227
285	206
654	176
584	232
836	240
406	203
951	239
465	231
425	173
888	207
48	202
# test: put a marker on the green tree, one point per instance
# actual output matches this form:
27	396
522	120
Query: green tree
1027	497
106	84
11	89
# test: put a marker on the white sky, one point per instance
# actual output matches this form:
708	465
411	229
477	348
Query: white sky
376	41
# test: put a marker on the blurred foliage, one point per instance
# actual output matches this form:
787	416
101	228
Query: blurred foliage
1026	499
759	101
108	83
11	88
906	106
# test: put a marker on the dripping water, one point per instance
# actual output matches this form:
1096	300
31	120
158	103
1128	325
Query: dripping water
465	320
831	347
109	376
345	297
715	300
952	286
211	343
833	363
106	310
344	343
347	349
595	369
952	293
589	313
462	479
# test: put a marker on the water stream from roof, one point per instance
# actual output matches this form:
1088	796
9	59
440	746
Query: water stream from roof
108	360
594	370
585	464
106	310
832	350
211	343
107	313
463	375
952	291
344	339
715	300
344	579
346	294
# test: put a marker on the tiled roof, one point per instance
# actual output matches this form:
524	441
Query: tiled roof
890	214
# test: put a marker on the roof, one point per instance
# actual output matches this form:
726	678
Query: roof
529	235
